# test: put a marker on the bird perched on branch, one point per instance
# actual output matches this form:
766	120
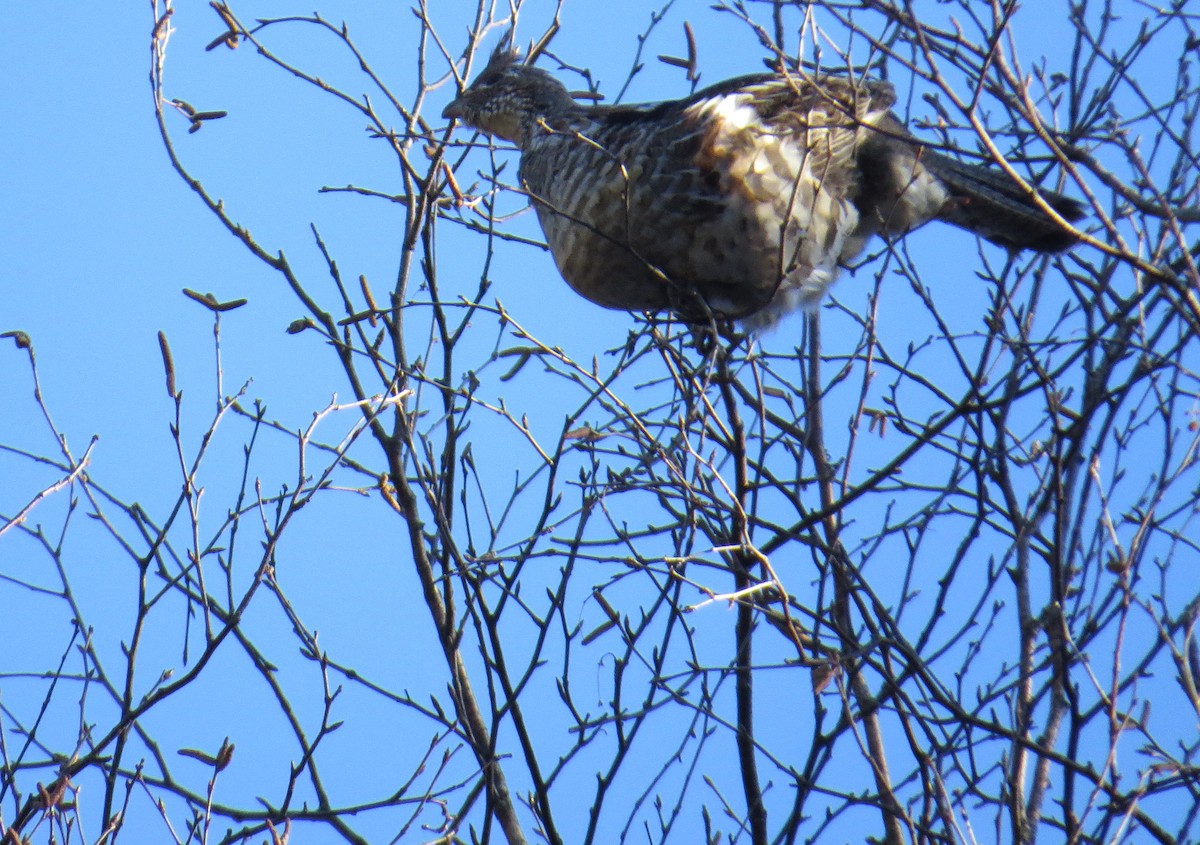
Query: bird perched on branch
742	200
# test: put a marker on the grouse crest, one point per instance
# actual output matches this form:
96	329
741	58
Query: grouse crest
742	200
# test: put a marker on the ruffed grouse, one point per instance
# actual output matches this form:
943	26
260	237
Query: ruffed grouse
742	199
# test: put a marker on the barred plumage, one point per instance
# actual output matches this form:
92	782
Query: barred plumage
740	200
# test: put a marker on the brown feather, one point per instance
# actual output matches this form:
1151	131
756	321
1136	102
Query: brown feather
741	200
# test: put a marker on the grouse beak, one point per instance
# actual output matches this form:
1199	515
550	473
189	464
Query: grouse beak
454	110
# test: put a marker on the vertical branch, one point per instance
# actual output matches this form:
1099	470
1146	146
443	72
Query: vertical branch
844	580
741	563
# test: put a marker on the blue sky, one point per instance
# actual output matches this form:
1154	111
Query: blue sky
98	236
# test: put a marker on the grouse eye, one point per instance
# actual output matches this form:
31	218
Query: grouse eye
490	78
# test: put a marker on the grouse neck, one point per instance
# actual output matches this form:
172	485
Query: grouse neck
552	117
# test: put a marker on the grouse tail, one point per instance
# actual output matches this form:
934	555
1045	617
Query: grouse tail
986	201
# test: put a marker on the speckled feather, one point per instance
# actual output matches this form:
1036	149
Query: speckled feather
740	200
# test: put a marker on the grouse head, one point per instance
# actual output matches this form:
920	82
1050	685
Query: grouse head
509	98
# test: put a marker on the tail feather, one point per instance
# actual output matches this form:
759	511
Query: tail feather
988	202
